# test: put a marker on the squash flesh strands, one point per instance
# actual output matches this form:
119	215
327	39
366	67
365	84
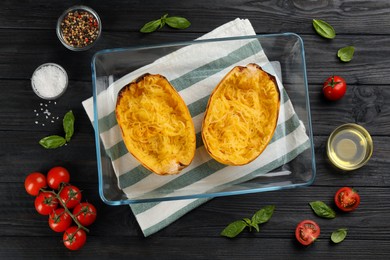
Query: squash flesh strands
156	124
241	115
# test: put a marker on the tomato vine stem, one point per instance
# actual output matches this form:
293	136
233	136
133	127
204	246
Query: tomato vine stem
65	207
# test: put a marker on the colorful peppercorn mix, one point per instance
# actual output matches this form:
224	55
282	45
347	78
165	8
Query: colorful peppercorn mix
79	28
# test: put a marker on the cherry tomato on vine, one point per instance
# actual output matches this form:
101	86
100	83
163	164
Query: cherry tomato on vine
307	231
347	199
334	88
71	196
34	182
46	203
59	220
56	176
85	213
74	238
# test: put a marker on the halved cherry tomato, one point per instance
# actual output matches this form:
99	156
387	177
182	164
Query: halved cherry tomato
46	203
59	220
85	213
307	232
334	88
74	238
34	182
56	176
71	196
347	199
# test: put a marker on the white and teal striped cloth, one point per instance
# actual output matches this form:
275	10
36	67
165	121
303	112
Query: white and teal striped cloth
195	71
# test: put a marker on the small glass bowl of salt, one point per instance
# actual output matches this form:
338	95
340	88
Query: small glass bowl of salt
49	81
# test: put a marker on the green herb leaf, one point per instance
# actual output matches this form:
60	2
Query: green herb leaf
255	226
324	29
163	20
151	26
234	228
263	215
247	221
68	124
322	210
339	235
346	53
52	141
178	22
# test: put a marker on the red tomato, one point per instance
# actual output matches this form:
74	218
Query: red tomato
59	220
34	182
70	195
347	199
74	238
334	88
46	203
85	213
307	232
56	176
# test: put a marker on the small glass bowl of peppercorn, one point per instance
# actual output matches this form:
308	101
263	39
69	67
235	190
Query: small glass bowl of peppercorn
78	28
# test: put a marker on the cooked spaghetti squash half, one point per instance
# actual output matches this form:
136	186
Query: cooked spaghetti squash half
241	115
156	124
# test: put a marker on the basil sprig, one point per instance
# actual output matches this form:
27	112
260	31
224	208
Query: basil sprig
260	217
324	29
322	210
339	235
176	22
346	53
55	141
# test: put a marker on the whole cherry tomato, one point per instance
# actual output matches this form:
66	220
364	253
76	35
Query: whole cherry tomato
85	213
347	199
307	232
334	88
46	203
71	196
56	176
74	238
59	220
34	182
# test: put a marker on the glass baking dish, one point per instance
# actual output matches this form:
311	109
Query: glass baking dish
193	68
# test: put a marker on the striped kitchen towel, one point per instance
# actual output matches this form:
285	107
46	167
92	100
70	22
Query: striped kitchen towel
194	71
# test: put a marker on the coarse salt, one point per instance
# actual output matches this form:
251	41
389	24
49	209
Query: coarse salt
45	116
49	81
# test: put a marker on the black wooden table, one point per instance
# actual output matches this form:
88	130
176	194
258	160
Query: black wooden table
28	39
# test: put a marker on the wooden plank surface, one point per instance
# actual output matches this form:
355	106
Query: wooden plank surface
28	39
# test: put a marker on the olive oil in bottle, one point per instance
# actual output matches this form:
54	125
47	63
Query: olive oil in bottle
349	147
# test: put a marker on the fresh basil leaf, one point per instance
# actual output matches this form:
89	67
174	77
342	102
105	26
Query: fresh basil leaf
324	29
234	228
247	221
177	22
255	226
52	141
346	53
339	235
68	124
263	215
163	20
322	210
151	26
